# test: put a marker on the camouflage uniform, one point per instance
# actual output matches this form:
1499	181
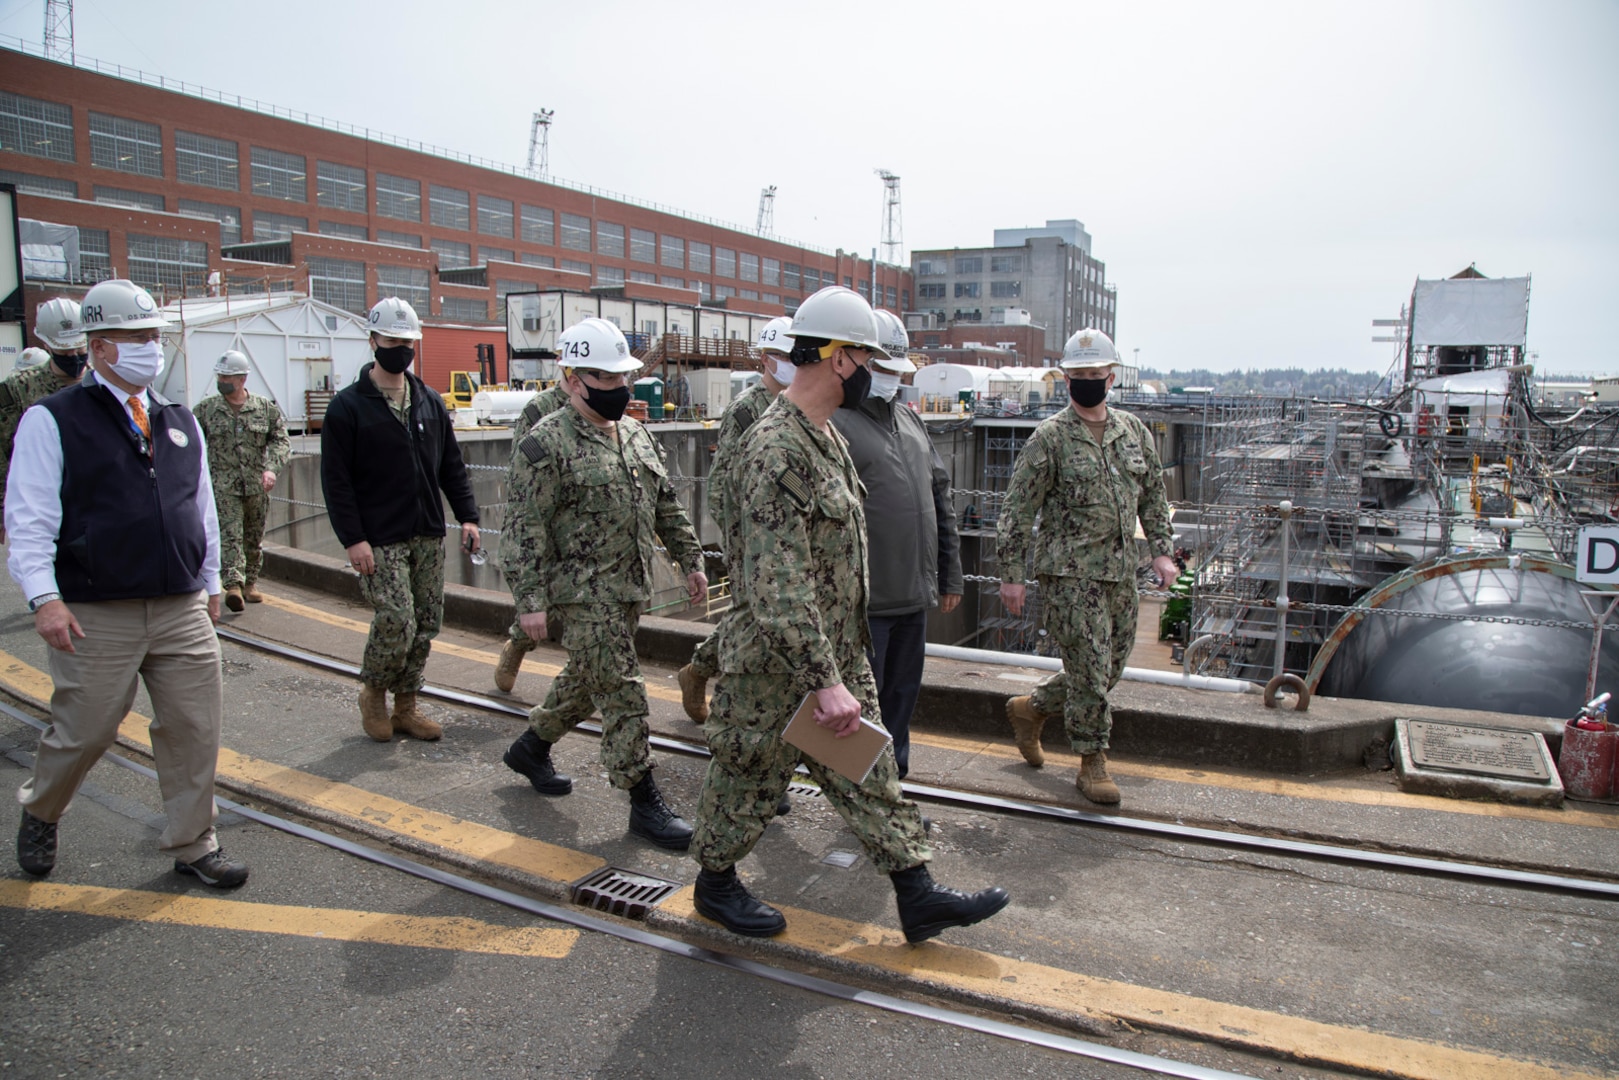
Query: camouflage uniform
517	546
798	562
18	391
592	509
243	444
407	592
739	417
1088	497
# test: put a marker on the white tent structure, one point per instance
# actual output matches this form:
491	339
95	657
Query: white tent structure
948	380
299	351
1472	404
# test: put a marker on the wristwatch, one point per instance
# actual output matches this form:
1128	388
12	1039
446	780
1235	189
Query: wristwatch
42	599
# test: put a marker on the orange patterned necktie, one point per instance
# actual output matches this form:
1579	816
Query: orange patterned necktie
138	410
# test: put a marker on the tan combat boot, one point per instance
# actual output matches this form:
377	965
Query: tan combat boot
1026	725
250	593
406	719
233	598
693	693
1093	781
511	659
374	712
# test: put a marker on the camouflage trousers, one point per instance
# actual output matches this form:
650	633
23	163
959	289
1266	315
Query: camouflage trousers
241	534
407	594
705	658
602	673
752	765
1094	625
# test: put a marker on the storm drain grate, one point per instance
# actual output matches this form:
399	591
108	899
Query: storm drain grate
622	892
806	790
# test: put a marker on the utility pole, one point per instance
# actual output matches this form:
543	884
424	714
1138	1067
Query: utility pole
539	143
766	223
893	223
59	31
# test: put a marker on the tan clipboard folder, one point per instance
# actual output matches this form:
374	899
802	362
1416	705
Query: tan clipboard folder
851	757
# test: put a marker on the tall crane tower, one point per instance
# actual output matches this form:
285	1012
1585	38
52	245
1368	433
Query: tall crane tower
766	224
539	143
893	223
59	31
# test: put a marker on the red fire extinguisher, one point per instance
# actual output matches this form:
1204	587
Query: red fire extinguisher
1586	760
1593	714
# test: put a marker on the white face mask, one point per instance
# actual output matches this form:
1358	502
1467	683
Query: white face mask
884	385
139	363
784	371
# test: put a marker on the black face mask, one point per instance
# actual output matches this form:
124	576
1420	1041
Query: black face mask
395	358
225	389
607	404
1087	393
71	364
855	388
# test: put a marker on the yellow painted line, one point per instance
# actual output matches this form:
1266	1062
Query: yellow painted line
446	648
1290	789
452	834
1108	1000
884	947
333	924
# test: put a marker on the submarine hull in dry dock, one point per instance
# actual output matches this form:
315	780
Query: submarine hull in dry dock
1459	661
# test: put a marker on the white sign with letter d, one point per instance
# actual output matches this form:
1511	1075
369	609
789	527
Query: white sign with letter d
1598	560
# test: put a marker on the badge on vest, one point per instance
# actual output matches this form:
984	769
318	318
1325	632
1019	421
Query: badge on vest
178	437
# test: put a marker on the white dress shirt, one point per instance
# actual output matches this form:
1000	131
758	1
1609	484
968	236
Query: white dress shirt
33	510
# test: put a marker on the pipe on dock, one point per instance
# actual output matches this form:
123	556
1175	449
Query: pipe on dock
1052	663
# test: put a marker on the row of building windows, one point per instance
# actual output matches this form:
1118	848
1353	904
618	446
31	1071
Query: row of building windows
45	129
673	252
172	264
970	264
1006	290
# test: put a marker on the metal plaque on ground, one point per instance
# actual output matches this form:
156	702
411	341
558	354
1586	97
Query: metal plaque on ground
1482	751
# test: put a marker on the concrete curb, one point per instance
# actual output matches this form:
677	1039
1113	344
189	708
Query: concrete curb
1169	723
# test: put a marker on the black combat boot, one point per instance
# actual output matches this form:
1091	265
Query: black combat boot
927	909
652	819
531	756
723	898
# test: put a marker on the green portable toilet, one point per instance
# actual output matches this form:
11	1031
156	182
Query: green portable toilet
650	390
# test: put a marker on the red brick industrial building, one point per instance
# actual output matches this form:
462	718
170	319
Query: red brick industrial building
168	187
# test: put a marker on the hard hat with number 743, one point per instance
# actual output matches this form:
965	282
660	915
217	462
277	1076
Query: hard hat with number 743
598	345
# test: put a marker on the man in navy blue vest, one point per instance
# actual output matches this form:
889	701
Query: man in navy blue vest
115	543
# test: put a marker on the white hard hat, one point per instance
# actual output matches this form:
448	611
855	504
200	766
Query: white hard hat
395	318
838	314
59	324
118	304
598	345
231	363
1088	348
897	343
31	358
773	336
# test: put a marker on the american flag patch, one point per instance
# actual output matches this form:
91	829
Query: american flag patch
796	487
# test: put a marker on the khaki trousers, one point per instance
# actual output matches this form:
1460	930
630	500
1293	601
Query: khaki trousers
170	643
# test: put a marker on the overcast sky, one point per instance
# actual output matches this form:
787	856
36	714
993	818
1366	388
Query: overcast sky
1261	179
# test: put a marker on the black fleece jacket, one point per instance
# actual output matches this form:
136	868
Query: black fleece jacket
382	478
